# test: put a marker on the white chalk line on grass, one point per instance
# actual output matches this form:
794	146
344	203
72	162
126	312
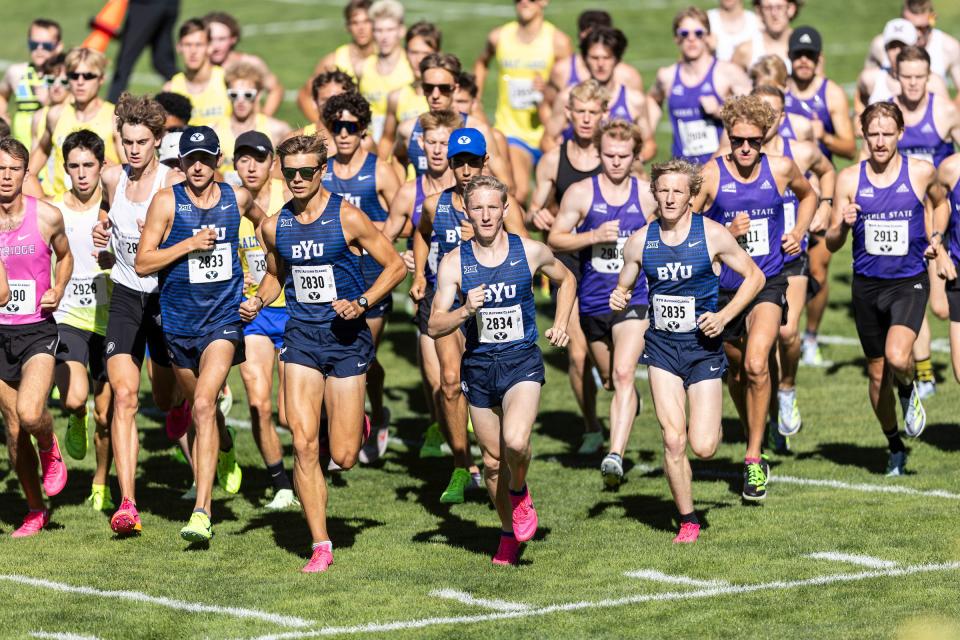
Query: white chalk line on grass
179	605
659	576
488	603
713	592
61	635
853	558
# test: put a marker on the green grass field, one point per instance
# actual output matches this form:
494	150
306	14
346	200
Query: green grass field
398	548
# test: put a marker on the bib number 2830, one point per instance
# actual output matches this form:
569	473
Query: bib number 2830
315	284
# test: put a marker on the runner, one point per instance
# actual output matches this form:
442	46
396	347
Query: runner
944	49
388	68
133	321
525	50
325	86
347	58
263	338
201	80
224	33
744	191
693	89
191	239
684	348
403	219
179	110
730	26
82	110
602	49
439	73
55	79
422	39
502	367
443	221
773	37
465	101
769	71
949	176
574	160
30	233
573	70
327	345
369	184
82	315
595	219
23	81
244	85
882	201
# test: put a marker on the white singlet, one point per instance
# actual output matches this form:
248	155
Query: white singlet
728	42
125	233
759	50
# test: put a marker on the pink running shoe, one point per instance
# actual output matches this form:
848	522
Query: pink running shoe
321	559
524	516
178	421
53	469
126	521
689	532
32	524
508	553
366	427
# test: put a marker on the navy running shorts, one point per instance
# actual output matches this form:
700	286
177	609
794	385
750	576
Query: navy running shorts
486	378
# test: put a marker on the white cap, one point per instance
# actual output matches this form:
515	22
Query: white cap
899	30
170	147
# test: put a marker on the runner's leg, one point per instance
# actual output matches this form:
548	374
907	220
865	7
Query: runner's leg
308	385
628	345
23	455
763	325
521	403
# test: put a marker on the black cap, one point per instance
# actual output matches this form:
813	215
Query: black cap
805	39
254	140
199	139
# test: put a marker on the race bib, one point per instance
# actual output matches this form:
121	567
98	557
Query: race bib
757	241
886	237
315	284
674	313
127	247
433	258
212	265
86	292
23	298
503	324
256	264
376	127
698	137
608	256
789	216
521	94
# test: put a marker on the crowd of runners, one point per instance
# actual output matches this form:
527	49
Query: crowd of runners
191	231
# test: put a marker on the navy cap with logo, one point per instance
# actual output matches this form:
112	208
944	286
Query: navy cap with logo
466	140
805	39
254	141
195	139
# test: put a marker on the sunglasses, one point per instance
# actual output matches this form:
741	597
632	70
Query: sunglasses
353	128
812	56
683	34
755	142
88	75
246	94
54	80
445	89
33	45
307	173
474	162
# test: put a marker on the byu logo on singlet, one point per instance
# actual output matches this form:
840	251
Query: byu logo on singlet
221	231
499	291
454	235
307	249
674	271
352	199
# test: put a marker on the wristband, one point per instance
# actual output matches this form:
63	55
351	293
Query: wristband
262	303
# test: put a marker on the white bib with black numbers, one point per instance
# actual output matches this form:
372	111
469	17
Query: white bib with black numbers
886	237
23	298
674	313
789	216
698	137
257	264
314	284
521	94
433	257
212	265
757	240
85	292
503	324
608	256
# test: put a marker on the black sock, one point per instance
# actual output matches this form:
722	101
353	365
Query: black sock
690	518
518	494
278	476
894	443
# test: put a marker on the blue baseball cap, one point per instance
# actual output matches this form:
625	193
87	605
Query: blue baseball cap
199	139
467	140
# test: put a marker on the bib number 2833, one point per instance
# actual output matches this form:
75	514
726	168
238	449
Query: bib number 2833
213	265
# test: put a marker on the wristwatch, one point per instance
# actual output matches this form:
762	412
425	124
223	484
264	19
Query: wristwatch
363	302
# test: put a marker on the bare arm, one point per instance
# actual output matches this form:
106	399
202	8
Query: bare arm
388	184
274	92
542	259
442	320
401	209
513	221
52	221
41	150
270	287
422	236
390	124
563	238
359	231
4	286
543	194
842	141
632	262
727	250
844	209
150	257
481	66
808	202
827	177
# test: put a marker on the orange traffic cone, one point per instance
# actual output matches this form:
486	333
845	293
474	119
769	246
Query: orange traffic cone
106	25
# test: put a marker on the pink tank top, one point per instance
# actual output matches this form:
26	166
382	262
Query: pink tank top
26	255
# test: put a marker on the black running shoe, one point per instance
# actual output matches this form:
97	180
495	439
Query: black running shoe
755	481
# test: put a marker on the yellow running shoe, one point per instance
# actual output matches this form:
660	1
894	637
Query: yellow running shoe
78	435
100	499
229	474
198	529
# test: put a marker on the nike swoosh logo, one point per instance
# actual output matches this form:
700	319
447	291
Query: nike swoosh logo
224	207
693	244
360	364
514	263
326	221
362	178
226	333
532	373
714	368
52	342
22	238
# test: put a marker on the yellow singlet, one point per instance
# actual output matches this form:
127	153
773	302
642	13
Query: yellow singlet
519	63
251	253
209	105
410	104
343	61
228	140
375	88
103	124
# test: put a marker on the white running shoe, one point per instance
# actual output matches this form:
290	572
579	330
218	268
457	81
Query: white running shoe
914	415
283	499
926	388
376	444
788	422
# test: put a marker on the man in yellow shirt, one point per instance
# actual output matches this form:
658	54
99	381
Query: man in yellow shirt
201	80
389	69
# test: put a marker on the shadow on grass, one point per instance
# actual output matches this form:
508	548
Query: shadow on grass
942	435
289	532
654	511
872	459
